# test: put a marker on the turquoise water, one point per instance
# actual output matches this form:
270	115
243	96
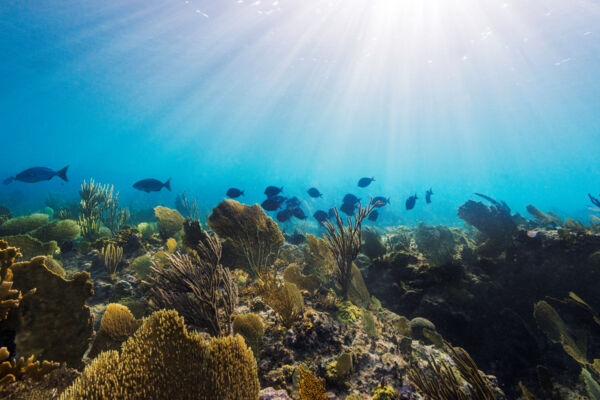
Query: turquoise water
463	96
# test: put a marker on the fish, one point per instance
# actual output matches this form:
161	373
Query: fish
350	199
152	185
381	200
428	196
320	216
299	213
594	200
38	174
279	199
364	182
272	191
410	203
314	192
234	193
348	208
292	202
284	215
373	215
270	205
296	238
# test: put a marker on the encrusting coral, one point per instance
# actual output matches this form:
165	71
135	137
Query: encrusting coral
54	324
251	238
163	361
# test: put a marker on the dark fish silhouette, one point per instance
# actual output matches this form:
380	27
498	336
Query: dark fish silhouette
428	196
292	202
299	213
284	215
279	199
350	199
271	205
348	208
381	200
373	216
152	185
410	203
320	216
364	182
234	193
331	213
594	200
272	191
296	238
38	174
314	192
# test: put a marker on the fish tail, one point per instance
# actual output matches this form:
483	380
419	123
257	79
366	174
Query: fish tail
167	184
62	174
242	192
9	180
388	200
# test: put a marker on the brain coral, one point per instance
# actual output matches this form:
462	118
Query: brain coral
21	225
163	361
169	221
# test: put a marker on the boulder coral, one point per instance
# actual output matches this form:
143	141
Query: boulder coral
55	324
163	361
251	238
22	225
59	231
170	221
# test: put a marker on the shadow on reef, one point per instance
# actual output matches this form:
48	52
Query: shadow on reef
479	287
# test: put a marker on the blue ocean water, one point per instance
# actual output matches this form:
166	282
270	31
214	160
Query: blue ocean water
463	96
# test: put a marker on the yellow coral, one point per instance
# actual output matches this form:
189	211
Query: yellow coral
12	370
171	245
311	387
163	361
293	275
117	324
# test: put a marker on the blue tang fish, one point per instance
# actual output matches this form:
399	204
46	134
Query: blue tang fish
38	174
152	185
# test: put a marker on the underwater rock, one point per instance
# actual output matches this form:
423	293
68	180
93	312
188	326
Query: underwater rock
273	394
170	222
372	246
22	225
495	222
30	247
162	360
59	231
251	239
54	324
417	325
439	244
121	289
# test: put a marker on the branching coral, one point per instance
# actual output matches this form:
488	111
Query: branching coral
197	286
284	298
186	206
163	361
99	204
112	255
443	381
345	242
252	239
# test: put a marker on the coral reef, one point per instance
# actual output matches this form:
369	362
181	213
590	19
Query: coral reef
251	238
170	222
163	361
31	247
293	275
59	231
311	387
319	259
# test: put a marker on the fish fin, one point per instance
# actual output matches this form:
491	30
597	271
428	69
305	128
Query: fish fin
167	184
62	174
9	180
